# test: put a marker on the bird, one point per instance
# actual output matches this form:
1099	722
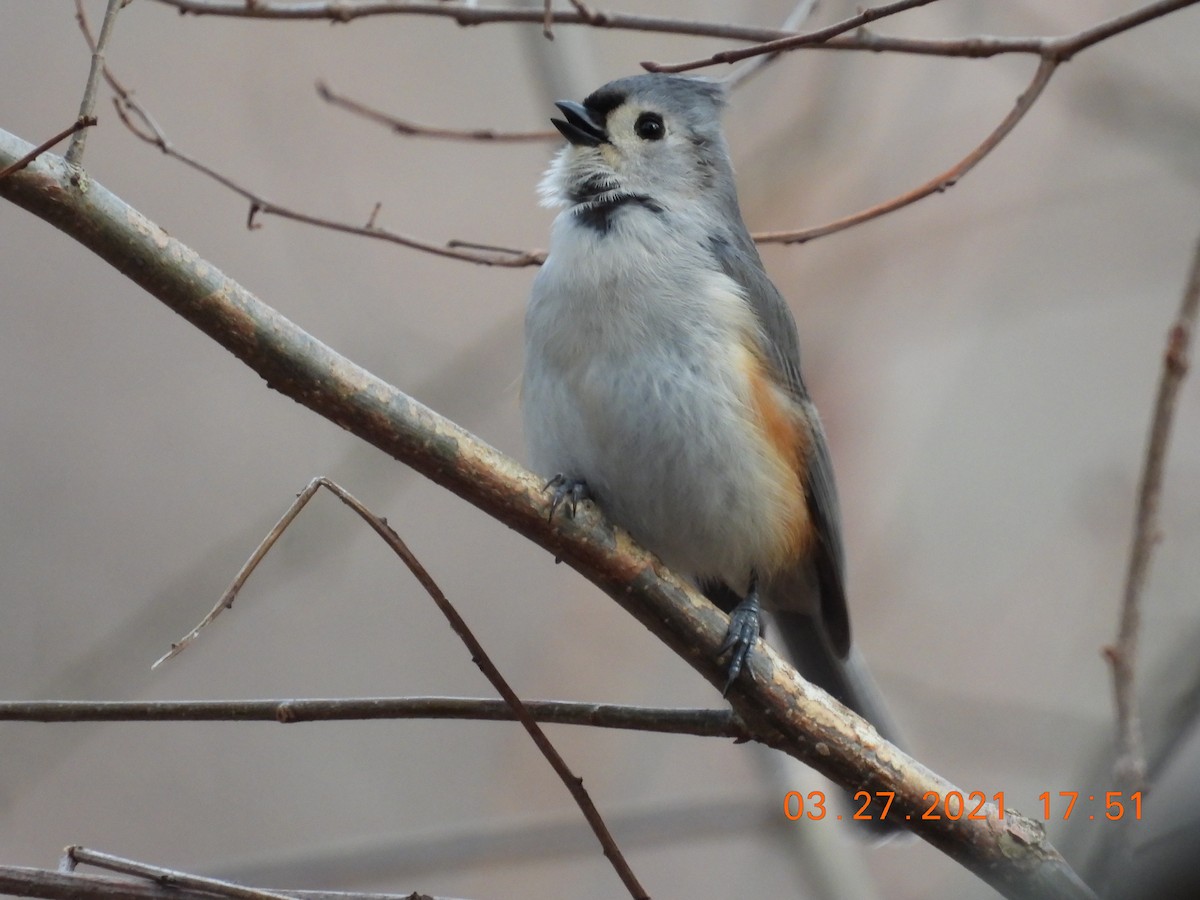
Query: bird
662	377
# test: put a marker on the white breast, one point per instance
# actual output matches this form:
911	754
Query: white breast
636	381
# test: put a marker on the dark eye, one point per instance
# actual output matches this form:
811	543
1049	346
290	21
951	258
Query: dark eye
649	126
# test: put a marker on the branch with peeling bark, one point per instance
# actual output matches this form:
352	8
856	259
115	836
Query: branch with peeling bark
783	711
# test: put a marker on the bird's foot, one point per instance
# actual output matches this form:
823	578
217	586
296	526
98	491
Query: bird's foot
568	490
745	626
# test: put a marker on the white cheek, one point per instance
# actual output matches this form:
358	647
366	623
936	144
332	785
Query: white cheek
553	187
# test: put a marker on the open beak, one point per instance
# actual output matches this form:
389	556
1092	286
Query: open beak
580	127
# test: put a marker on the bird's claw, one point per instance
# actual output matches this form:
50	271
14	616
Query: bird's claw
569	490
745	626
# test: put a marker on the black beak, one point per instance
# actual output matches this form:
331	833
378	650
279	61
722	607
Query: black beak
581	127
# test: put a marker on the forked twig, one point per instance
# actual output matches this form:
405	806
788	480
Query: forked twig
458	624
138	120
45	145
146	129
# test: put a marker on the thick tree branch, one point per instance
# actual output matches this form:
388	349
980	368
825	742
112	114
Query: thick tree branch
1012	853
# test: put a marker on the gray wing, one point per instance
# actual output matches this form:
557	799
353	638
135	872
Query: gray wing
739	260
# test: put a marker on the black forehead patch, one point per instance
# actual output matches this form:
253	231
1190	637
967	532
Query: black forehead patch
604	101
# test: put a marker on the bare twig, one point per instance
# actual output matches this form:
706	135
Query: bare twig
1012	854
87	106
19	881
462	14
723	723
142	124
1059	49
935	185
548	20
412	129
77	125
797	17
148	131
793	42
1051	50
975	47
1130	768
165	877
167	884
479	656
590	17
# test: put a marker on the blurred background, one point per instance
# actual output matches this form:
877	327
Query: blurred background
985	362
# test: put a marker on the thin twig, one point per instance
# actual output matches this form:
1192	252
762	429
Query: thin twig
412	129
87	106
1059	49
935	185
165	877
244	573
152	134
975	47
590	16
478	655
548	20
21	881
1130	768
141	123
797	17
1051	50
45	145
793	42
723	723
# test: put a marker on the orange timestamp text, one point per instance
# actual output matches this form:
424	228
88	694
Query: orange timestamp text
955	805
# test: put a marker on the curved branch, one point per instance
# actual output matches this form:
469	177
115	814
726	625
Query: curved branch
412	129
935	185
1010	853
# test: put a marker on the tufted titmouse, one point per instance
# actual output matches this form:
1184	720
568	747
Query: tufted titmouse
662	376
